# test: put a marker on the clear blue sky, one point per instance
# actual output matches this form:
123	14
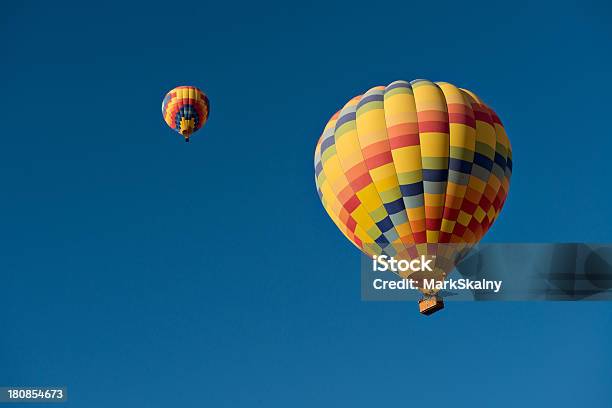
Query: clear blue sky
139	270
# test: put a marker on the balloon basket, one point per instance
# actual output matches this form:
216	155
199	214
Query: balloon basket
430	305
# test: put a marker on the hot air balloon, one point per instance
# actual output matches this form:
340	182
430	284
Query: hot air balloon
414	168
185	109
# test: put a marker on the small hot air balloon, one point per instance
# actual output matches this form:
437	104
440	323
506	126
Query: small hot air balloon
414	168
185	109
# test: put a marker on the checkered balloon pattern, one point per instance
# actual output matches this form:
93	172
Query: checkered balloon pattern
413	164
185	109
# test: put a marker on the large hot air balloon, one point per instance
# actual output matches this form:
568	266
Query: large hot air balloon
414	168
185	109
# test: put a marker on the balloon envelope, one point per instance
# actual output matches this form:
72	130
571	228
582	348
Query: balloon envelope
185	109
413	165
